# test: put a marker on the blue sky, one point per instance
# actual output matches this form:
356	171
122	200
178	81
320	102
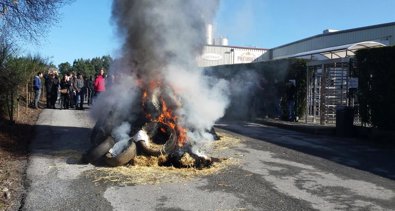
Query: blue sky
85	30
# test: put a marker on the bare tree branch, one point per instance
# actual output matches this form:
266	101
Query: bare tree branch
28	19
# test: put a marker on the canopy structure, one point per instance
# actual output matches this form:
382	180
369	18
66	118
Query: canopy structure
337	52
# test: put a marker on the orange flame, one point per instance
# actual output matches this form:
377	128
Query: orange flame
166	116
145	96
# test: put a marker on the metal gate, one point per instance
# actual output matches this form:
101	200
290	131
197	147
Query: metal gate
327	88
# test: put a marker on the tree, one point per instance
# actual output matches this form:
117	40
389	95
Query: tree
15	75
64	67
97	63
107	60
87	67
83	66
27	18
6	53
101	62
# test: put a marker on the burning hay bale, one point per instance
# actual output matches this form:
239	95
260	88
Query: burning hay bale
155	132
187	160
148	161
152	140
118	153
144	169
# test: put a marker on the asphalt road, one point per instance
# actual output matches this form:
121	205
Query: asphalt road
277	170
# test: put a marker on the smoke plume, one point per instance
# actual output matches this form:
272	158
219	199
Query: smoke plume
161	42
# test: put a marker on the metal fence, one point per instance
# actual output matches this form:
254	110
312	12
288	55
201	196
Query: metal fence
329	87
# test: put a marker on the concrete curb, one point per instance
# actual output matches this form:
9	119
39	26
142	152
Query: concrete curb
300	127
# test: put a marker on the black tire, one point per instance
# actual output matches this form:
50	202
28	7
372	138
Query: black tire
151	128
168	147
98	135
142	147
171	144
102	128
128	154
97	152
94	131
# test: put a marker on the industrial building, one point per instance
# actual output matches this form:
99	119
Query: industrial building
224	55
218	52
332	41
330	84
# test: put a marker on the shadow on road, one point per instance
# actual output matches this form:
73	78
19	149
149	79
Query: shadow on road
346	151
58	140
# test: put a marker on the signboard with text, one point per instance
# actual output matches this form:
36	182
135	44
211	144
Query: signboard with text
245	56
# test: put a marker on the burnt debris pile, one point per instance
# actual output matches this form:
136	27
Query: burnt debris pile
159	103
154	133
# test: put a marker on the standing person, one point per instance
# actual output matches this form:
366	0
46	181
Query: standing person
48	87
89	89
100	83
72	90
65	92
37	88
55	89
78	86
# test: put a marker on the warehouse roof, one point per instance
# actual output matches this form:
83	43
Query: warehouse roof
338	32
341	51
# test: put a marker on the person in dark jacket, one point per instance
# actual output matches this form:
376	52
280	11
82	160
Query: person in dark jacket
89	89
54	89
37	88
72	90
65	92
48	87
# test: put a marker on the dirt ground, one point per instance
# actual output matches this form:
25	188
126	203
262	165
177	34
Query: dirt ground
14	141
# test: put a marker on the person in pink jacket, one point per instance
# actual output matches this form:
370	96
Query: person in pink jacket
100	83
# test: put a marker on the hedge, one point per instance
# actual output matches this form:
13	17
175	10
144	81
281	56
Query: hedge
375	69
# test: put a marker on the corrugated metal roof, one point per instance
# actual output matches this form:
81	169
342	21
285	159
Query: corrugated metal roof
337	32
337	51
233	46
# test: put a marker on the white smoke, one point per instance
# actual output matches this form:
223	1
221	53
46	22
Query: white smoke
162	39
121	132
204	99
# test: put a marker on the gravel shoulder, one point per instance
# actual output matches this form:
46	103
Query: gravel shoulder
14	142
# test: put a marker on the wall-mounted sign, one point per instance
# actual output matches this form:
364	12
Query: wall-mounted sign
211	57
245	57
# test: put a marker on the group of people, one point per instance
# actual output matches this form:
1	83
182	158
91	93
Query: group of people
72	89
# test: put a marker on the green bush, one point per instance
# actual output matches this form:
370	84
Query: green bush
297	71
15	74
375	69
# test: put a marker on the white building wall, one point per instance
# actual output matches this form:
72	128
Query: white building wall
224	55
